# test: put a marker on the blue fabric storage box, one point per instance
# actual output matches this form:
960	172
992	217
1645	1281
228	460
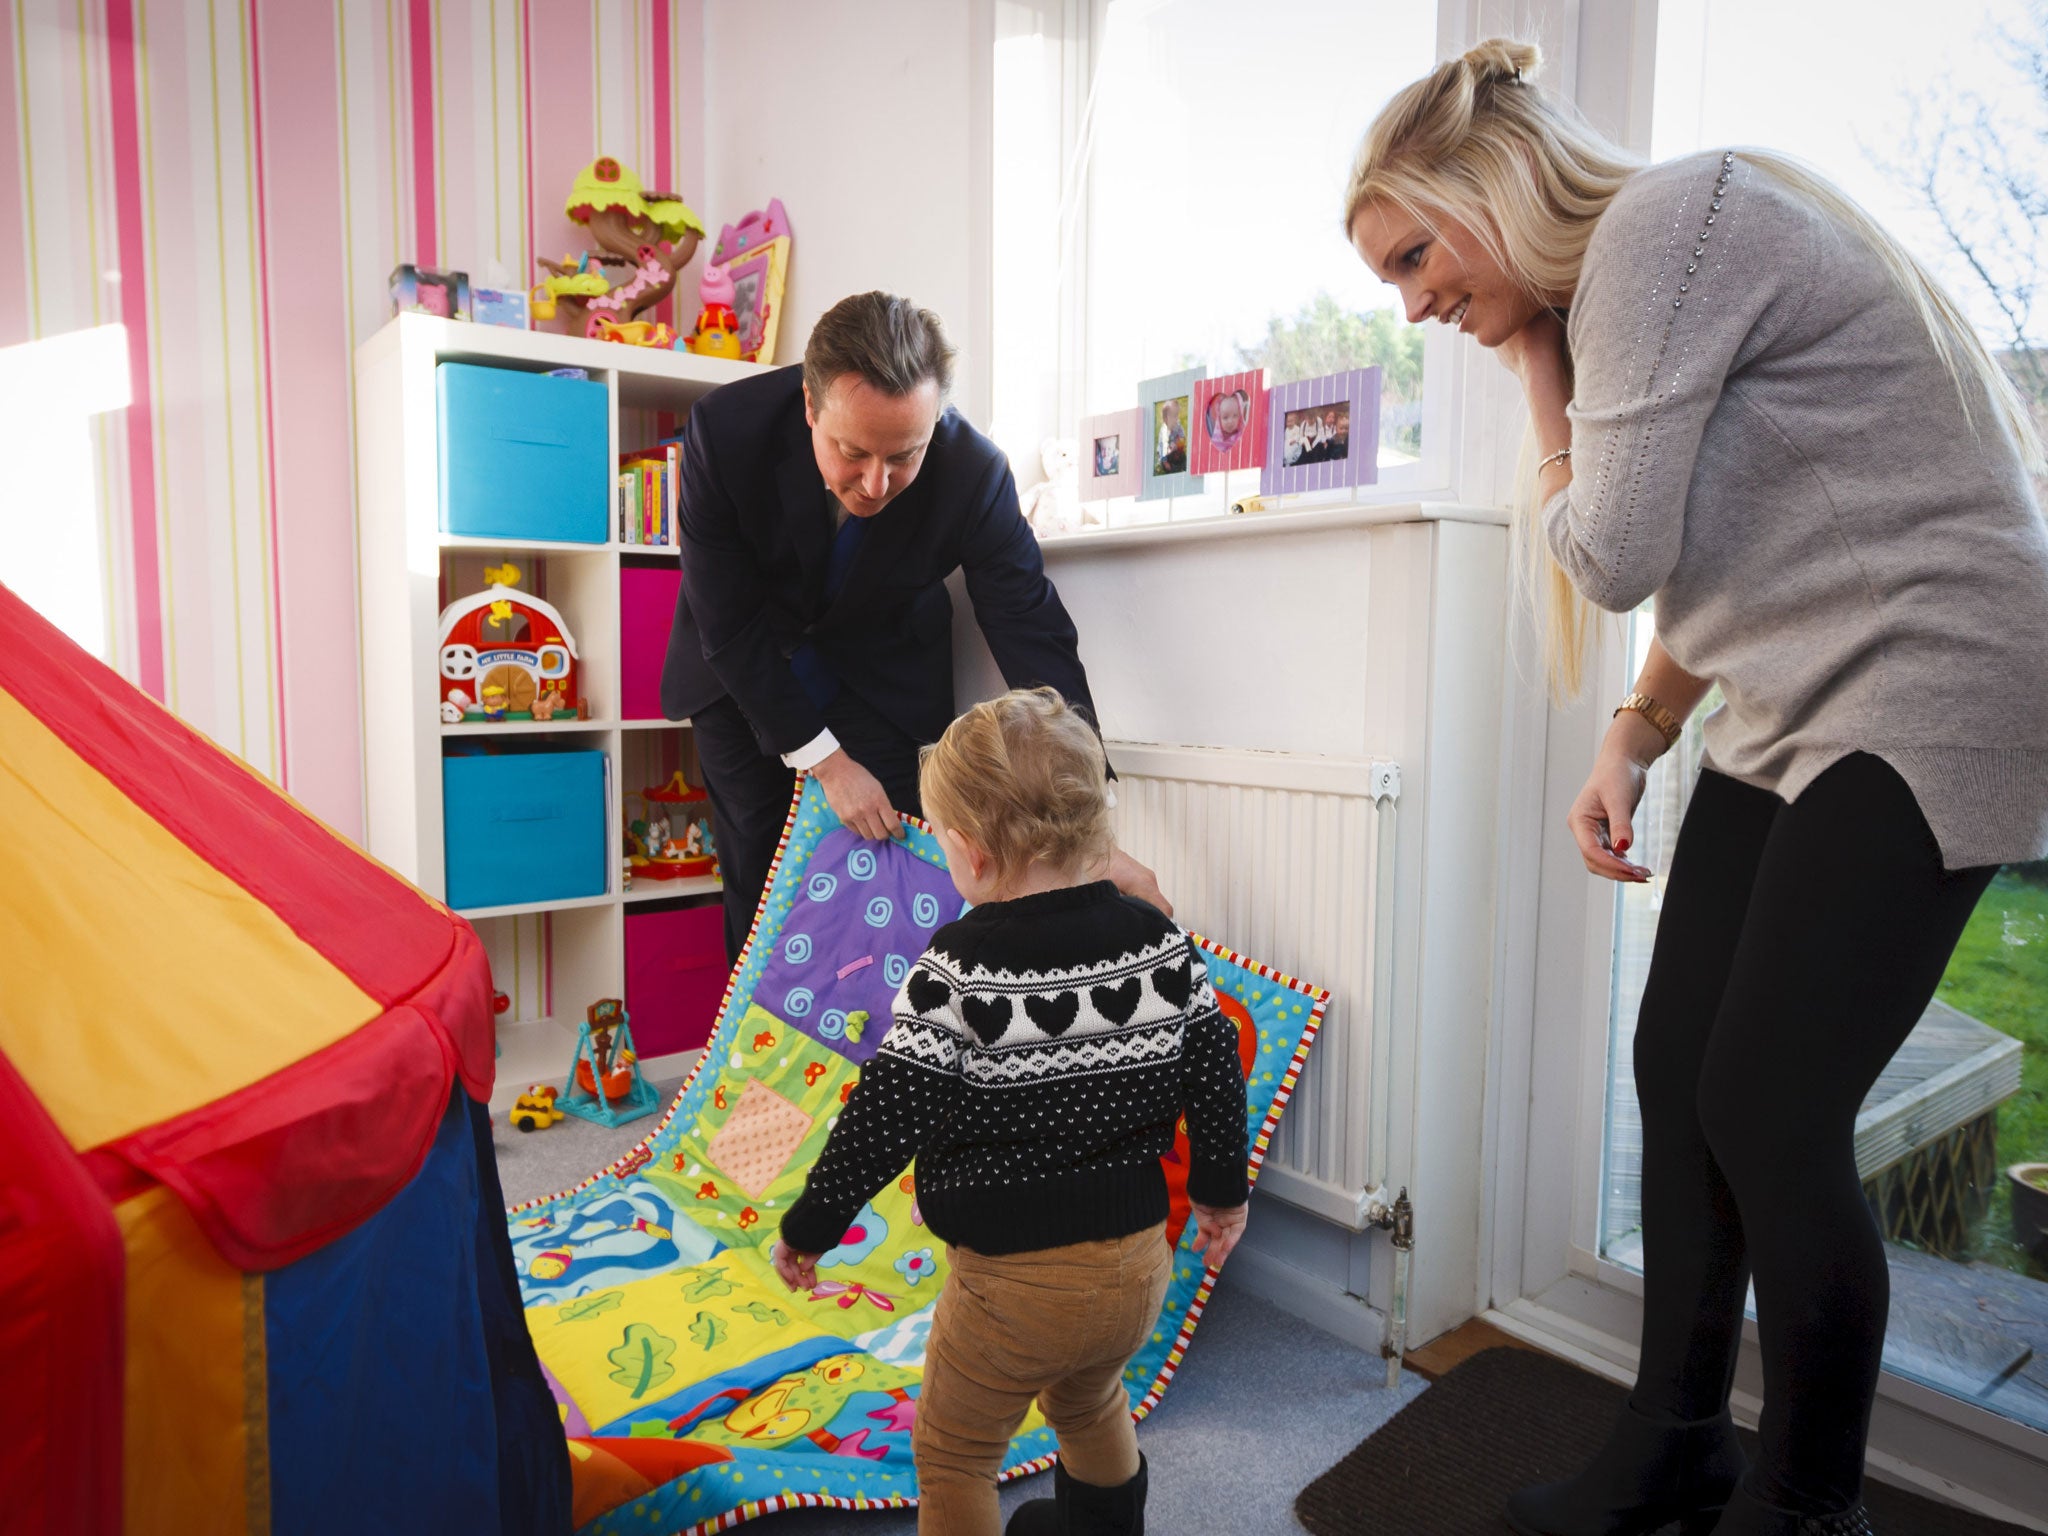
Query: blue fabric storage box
523	826
523	456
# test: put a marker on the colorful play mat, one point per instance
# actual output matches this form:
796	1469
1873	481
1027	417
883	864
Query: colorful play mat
696	1390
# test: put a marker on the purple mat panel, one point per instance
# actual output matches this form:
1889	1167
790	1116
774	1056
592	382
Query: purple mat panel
838	957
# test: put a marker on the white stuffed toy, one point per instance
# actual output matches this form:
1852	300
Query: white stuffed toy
1054	504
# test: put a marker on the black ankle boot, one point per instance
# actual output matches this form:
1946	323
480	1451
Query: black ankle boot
1082	1509
1748	1515
1653	1471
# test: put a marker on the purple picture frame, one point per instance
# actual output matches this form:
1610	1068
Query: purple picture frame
1127	429
1359	392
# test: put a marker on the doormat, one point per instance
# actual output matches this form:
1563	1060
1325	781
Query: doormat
1506	1418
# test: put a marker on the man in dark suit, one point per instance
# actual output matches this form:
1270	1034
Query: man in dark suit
821	510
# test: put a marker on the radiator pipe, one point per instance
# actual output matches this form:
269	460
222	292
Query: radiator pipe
1395	1217
1397	1326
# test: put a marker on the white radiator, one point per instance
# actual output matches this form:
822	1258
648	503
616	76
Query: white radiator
1289	860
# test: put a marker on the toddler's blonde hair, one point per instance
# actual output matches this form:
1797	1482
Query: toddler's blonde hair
1024	777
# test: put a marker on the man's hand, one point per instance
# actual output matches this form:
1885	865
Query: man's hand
799	1271
1134	879
1217	1229
857	797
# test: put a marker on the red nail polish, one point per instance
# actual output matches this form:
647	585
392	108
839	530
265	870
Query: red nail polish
1622	846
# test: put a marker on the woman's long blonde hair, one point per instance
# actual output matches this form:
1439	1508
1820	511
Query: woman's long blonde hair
1475	141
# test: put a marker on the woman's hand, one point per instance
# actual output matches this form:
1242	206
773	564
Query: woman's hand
1602	819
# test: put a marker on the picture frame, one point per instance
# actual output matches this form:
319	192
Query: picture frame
1216	447
1165	405
757	284
1323	434
1124	432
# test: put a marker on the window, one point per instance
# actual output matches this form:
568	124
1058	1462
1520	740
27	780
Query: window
1934	125
53	549
1199	216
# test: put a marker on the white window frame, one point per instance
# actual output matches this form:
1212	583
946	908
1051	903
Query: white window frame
1469	436
1553	969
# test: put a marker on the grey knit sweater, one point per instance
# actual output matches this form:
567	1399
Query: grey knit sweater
1764	439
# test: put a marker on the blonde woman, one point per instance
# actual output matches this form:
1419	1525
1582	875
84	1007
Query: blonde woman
1749	403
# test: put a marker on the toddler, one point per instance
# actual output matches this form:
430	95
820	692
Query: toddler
1043	1049
1172	456
1226	420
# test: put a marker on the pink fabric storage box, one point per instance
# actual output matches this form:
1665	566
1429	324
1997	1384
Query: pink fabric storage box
647	612
675	976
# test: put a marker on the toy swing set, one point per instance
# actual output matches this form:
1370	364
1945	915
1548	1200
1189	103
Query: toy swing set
604	1055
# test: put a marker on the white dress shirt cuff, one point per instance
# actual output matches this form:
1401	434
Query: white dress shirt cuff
812	752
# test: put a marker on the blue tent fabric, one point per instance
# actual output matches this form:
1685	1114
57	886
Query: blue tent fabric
414	1312
534	1488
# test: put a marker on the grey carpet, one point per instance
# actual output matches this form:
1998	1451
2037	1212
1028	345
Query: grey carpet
1507	1418
1261	1405
536	1163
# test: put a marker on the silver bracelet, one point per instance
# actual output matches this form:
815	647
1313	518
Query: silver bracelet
1558	457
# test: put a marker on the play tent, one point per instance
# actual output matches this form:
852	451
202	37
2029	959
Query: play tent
254	1274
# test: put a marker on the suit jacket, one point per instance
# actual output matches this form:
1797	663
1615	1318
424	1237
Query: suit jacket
757	529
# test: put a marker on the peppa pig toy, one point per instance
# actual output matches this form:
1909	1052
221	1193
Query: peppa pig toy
718	330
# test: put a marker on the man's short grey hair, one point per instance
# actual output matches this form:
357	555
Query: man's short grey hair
886	340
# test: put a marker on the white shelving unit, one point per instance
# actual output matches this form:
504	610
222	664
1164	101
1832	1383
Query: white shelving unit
552	958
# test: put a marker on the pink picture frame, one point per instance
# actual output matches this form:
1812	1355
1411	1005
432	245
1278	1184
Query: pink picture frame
752	301
1214	446
1112	454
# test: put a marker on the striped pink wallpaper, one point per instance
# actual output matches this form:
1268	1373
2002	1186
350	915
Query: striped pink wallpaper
234	180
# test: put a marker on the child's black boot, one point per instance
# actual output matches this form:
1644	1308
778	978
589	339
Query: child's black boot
1654	1470
1082	1509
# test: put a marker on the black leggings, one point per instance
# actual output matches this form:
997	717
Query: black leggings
1797	948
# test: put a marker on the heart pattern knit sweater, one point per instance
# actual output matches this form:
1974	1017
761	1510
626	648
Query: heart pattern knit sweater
1042	1052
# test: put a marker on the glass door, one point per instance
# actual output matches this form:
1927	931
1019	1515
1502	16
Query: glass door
1936	130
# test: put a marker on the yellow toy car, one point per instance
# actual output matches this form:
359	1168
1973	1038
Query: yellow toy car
535	1109
636	333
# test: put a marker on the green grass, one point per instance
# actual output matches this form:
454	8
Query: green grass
1999	974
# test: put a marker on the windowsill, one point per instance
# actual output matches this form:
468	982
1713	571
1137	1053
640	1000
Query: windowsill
1280	521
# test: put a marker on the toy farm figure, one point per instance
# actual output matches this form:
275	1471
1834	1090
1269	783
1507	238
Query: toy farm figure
653	235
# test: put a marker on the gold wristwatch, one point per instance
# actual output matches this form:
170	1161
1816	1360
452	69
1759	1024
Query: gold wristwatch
1665	721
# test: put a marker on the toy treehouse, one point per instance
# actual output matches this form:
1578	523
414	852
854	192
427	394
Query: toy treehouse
506	655
604	1055
671	838
653	235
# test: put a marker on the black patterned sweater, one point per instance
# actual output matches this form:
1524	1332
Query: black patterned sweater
1042	1052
